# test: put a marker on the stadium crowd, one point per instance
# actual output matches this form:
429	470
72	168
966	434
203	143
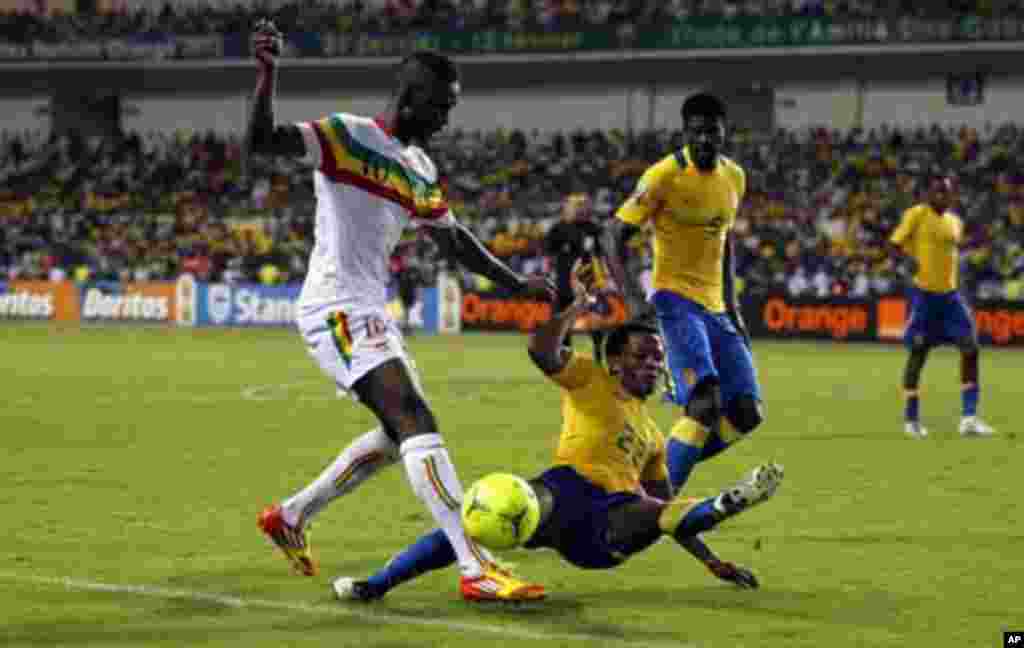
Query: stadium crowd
819	206
204	17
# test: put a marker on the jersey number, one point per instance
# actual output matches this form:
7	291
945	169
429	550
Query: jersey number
375	328
631	446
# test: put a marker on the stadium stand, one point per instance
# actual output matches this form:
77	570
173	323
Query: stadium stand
820	202
117	18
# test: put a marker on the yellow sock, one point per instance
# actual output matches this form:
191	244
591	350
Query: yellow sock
690	432
728	433
674	512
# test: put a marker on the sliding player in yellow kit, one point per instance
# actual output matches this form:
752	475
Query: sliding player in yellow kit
930	233
607	496
690	199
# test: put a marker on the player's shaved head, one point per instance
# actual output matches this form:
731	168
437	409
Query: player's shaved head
941	190
703	104
616	341
426	90
425	67
704	128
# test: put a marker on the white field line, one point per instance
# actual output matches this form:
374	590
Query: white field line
340	610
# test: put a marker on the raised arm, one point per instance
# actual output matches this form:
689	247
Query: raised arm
263	135
547	343
616	246
459	244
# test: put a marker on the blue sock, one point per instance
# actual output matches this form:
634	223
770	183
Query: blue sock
702	517
910	412
681	459
970	396
430	552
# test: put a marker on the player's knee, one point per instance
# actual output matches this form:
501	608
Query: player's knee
705	404
407	415
746	414
418	415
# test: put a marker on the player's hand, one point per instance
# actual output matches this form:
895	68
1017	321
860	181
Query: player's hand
736	574
267	43
539	286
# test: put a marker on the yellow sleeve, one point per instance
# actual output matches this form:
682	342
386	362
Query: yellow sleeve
657	466
646	199
906	227
579	372
739	179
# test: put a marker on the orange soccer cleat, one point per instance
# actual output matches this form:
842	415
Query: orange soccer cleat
293	541
498	584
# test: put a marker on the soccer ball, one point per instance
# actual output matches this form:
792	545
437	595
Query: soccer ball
500	511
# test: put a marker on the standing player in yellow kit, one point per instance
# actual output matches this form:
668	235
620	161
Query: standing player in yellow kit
930	233
689	200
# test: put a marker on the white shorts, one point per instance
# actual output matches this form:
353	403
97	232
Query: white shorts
347	346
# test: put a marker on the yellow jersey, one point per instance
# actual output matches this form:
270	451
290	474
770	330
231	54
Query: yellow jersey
932	240
690	211
607	435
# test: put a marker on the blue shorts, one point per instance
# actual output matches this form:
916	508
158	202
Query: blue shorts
701	345
938	318
578	526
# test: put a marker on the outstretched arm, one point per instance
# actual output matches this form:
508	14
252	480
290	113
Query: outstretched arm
459	244
729	286
616	245
262	134
726	571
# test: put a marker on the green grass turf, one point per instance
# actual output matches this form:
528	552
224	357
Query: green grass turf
141	457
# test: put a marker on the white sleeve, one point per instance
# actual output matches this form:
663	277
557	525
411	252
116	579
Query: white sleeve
314	155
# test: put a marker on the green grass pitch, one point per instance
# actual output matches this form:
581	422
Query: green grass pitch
135	461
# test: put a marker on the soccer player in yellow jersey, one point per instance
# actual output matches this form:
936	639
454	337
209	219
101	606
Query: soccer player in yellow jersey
607	497
930	233
689	200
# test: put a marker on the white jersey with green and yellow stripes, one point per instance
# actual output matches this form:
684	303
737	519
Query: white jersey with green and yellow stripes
369	188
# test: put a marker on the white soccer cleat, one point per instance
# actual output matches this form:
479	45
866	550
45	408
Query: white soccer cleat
350	589
915	430
972	426
762	484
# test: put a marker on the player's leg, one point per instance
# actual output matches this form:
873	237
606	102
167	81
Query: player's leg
918	340
431	552
960	326
359	461
391	394
328	338
690	434
694	382
741	392
639	523
916	358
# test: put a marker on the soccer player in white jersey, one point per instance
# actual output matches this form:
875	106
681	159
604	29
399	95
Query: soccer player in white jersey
373	180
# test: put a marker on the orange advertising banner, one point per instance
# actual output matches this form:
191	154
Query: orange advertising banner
39	300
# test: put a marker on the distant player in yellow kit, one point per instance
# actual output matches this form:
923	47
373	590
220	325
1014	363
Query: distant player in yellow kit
930	233
689	200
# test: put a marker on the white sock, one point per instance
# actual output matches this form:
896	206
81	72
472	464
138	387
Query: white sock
434	481
356	463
